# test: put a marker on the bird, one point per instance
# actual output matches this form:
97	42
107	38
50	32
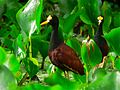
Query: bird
60	54
100	40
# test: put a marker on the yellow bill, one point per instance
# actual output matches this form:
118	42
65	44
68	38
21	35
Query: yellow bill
44	23
47	21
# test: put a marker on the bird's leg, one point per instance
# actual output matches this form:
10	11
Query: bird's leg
52	69
35	78
66	73
103	62
42	65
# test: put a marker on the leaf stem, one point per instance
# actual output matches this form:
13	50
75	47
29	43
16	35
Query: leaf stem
23	79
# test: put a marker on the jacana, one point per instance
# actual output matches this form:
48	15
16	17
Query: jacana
60	54
99	39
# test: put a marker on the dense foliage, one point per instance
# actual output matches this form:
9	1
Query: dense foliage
24	62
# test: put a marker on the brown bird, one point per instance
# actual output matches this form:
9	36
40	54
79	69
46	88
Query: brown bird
61	55
100	40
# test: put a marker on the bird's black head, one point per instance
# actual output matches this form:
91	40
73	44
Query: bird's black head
53	21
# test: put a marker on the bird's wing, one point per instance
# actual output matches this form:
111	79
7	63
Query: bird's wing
67	57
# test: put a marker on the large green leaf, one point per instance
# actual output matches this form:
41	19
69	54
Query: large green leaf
109	81
38	14
57	79
7	80
74	43
66	6
116	19
12	63
27	17
90	53
69	22
31	66
89	10
106	12
40	87
2	55
39	45
113	38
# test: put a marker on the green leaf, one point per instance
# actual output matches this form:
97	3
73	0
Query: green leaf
90	53
113	38
14	31
31	68
40	87
117	63
89	10
19	42
66	6
20	46
69	22
35	61
7	80
57	79
12	6
8	43
2	7
2	55
116	19
109	81
38	14
26	17
106	12
57	87
79	78
12	63
98	74
39	45
74	43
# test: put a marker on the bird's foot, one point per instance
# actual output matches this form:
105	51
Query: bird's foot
52	69
66	74
101	64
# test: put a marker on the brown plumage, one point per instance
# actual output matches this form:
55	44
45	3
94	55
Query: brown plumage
66	59
61	55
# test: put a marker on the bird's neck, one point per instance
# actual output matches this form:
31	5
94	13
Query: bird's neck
55	39
100	30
